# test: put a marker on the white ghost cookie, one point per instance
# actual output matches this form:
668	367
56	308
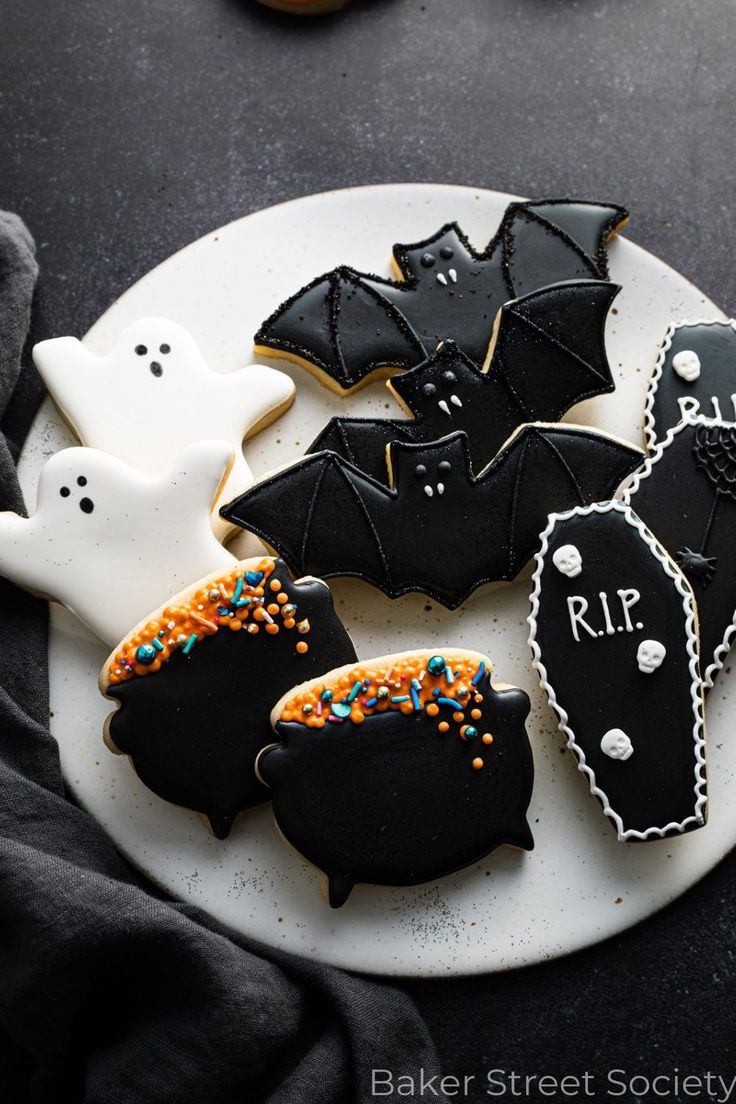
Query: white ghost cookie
112	543
153	394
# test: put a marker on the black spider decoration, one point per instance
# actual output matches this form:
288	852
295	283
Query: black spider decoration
714	451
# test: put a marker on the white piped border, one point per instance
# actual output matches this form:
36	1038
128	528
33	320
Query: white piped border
629	490
650	429
696	693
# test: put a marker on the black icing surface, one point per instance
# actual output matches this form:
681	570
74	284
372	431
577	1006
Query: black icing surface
193	728
327	518
349	324
695	519
549	354
597	680
393	801
715	347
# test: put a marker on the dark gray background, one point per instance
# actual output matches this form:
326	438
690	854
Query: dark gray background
131	127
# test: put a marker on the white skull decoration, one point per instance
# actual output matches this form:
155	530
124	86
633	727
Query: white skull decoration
687	365
568	560
617	745
650	655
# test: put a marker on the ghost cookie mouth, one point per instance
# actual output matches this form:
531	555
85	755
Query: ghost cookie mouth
400	770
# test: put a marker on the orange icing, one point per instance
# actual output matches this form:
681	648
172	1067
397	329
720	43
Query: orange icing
405	685
199	615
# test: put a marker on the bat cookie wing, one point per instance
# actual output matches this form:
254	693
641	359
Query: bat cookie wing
333	327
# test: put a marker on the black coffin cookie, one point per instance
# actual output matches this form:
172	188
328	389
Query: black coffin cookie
195	695
686	494
614	638
347	326
401	770
695	374
437	528
548	353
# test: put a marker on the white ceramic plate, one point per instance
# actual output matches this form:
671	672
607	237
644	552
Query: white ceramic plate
579	885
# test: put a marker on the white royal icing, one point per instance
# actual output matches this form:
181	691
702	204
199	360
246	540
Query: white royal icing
650	656
688	605
111	543
686	364
568	561
617	745
144	408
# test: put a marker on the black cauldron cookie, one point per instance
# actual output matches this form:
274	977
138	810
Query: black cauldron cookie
695	374
195	683
400	770
614	638
548	353
348	327
438	528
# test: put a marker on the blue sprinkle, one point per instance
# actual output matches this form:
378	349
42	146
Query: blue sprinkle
253	578
341	709
371	703
416	684
161	632
238	591
327	695
145	654
415	699
243	602
436	664
400	698
355	691
449	676
224	612
157	645
479	673
190	644
448	701
436	692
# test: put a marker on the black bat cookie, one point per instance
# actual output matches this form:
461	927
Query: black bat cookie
548	353
401	770
437	528
686	494
695	374
346	325
195	690
614	638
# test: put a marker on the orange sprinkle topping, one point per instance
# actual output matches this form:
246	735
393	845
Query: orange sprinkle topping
203	612
478	763
405	685
476	714
487	738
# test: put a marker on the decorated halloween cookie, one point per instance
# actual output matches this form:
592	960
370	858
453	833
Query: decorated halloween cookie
153	394
400	770
437	528
548	353
109	542
614	638
196	681
686	493
348	327
695	374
